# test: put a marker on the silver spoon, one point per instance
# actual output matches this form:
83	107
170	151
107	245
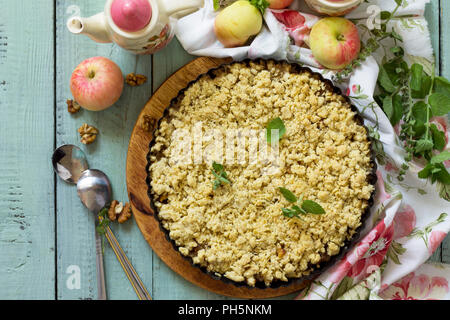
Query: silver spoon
69	163
94	190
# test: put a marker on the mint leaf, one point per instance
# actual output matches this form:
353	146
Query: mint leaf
424	90
441	85
385	81
443	156
217	167
419	111
440	104
438	138
397	105
275	124
388	107
261	5
298	210
424	145
288	195
442	175
221	176
216	4
312	207
307	206
425	172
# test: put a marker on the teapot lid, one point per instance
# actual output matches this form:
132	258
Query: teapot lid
131	15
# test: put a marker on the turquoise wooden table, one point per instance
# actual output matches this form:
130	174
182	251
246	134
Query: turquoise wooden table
46	235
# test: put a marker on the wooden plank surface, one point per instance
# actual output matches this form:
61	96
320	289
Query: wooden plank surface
27	234
34	259
75	226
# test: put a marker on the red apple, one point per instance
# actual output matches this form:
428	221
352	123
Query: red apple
279	4
96	83
334	42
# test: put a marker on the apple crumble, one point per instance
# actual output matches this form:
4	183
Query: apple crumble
238	230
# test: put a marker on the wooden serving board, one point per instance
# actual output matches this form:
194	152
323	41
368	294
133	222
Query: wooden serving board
137	190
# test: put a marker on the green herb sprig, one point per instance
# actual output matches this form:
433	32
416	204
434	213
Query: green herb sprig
300	207
411	97
275	124
221	176
103	223
261	5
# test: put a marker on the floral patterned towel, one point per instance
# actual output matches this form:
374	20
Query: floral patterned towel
409	219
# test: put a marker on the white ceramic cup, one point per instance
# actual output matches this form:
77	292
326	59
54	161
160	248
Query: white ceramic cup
333	7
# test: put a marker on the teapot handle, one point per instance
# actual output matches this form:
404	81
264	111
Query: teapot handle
185	6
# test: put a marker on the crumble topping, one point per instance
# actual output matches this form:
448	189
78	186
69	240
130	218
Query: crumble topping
238	230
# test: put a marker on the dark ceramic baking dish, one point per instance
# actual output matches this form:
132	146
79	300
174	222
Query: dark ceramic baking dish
327	261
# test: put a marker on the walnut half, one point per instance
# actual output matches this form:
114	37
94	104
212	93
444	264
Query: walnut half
87	133
118	211
72	106
135	80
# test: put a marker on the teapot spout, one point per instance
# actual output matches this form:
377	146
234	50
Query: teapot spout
179	9
94	27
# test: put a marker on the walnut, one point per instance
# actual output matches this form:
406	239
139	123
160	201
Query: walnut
118	211
125	214
73	106
148	123
135	79
87	133
112	210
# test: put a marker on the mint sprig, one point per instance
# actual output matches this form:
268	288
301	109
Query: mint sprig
261	5
411	97
301	207
103	223
219	173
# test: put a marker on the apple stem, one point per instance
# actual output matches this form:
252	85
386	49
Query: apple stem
340	37
91	74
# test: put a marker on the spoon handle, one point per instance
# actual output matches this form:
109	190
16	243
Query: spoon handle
101	287
135	281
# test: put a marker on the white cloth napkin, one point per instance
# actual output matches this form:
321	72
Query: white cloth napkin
410	218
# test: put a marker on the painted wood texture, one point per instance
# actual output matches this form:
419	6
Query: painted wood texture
44	229
27	225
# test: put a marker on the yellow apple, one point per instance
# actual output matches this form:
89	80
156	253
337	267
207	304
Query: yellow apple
237	23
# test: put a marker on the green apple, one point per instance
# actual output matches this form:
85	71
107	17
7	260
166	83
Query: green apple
237	23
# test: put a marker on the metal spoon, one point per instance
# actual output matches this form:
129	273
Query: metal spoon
69	163
94	190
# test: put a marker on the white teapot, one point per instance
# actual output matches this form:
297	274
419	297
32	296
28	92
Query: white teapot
334	7
140	26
